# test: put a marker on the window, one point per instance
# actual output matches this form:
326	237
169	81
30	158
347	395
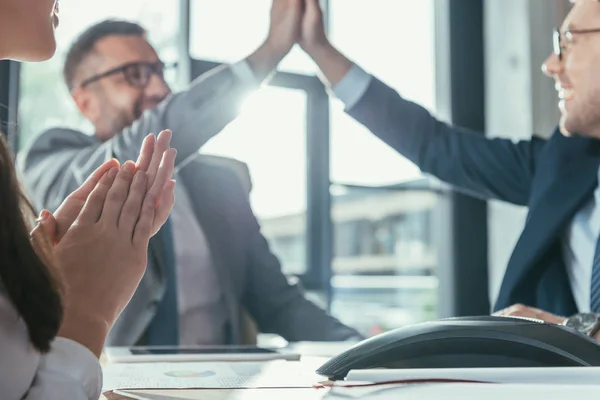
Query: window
383	210
44	100
395	44
227	31
270	137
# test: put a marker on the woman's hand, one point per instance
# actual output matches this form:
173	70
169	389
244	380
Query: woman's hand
149	160
102	256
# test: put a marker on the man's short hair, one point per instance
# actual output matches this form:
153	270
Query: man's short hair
84	44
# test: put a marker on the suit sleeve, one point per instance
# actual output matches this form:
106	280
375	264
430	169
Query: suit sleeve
281	308
489	168
60	160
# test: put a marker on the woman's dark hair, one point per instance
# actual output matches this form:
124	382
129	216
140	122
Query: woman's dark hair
24	277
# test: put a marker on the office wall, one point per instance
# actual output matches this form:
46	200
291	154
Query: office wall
520	100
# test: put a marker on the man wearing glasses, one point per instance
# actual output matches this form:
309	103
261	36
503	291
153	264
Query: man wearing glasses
554	271
209	267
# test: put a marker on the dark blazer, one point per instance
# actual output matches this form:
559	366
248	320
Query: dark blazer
554	178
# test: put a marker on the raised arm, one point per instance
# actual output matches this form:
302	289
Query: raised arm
491	168
61	159
214	99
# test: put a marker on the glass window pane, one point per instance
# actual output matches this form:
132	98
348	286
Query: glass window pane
270	137
385	252
44	100
230	30
385	256
384	48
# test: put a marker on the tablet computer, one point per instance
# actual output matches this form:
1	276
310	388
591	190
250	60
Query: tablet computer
194	353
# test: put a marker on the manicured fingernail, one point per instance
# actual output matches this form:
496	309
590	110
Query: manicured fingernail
113	172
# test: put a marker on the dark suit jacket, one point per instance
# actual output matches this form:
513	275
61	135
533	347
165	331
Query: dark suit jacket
250	275
554	178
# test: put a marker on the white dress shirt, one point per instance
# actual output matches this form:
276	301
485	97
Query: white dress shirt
579	246
68	371
580	237
202	310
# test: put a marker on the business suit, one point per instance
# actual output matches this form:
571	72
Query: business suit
554	178
249	274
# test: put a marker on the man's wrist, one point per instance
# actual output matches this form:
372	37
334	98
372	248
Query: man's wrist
319	50
333	65
276	48
587	323
266	58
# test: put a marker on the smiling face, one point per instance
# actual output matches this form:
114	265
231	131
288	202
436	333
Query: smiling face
577	74
27	29
115	101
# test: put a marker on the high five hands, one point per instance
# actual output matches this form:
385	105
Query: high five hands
298	22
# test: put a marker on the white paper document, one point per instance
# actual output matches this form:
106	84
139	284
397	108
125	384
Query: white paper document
225	394
567	376
207	375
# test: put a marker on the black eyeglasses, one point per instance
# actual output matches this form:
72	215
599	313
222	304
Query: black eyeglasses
136	74
559	46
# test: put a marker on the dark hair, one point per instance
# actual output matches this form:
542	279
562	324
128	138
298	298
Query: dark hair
24	277
84	44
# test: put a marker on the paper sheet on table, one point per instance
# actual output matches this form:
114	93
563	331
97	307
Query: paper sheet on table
572	375
461	391
225	394
206	375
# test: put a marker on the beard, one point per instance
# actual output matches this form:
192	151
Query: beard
121	121
580	116
120	118
138	109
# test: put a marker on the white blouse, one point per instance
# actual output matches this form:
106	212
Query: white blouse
68	371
